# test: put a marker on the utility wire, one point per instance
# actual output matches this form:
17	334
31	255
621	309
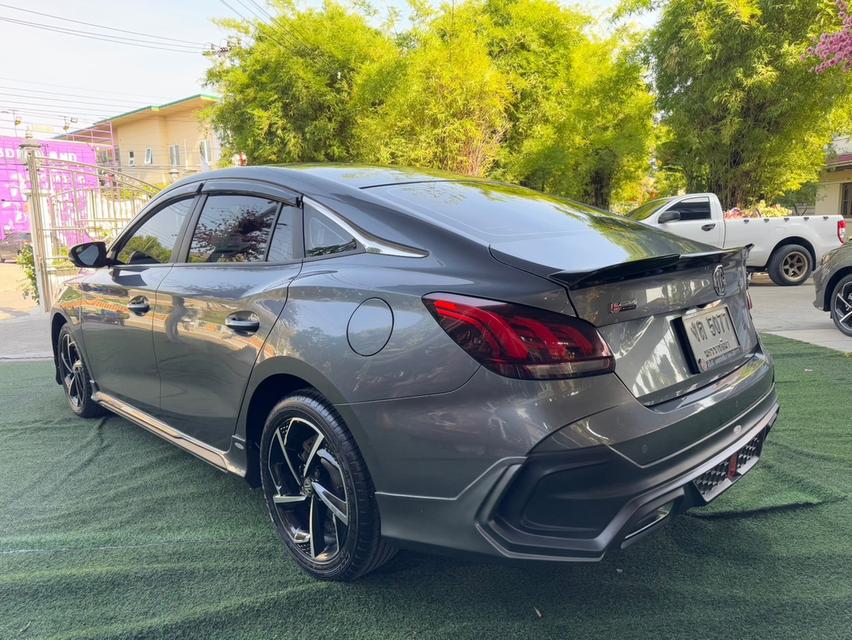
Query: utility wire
92	36
57	112
79	88
294	41
49	98
101	26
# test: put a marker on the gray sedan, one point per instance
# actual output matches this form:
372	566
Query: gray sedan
833	283
401	358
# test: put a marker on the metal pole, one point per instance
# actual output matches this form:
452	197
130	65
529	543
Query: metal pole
31	148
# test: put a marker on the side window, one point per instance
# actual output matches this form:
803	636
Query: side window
233	228
281	246
323	237
846	199
694	209
153	242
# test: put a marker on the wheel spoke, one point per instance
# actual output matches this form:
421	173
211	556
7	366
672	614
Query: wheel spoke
289	500
314	525
282	442
326	456
845	318
843	301
80	379
334	504
63	358
70	355
336	535
317	443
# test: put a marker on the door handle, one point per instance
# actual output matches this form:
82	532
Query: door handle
139	305
708	227
248	324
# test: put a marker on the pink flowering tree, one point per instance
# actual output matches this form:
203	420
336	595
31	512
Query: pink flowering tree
835	49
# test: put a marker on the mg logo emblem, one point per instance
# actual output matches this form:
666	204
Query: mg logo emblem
719	280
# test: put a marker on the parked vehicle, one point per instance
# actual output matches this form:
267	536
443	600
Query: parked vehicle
403	358
833	284
12	244
786	248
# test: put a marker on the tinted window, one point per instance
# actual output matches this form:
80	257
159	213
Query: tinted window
323	237
281	247
693	210
233	229
154	241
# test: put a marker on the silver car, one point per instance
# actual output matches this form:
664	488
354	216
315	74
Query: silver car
833	287
401	358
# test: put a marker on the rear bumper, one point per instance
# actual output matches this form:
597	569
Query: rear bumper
575	505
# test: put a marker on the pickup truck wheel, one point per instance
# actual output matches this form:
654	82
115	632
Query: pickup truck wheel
790	265
841	305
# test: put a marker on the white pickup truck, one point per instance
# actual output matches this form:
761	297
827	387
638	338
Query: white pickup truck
786	248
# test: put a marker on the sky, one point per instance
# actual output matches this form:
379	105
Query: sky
52	80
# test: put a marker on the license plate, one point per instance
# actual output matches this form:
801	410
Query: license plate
711	336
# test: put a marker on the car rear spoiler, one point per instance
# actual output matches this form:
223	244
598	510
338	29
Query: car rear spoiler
645	267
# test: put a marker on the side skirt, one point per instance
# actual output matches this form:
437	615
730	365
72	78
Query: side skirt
215	457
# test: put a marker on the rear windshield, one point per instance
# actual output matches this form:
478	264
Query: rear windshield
645	210
492	212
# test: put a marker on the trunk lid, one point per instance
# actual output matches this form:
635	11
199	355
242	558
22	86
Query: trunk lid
646	292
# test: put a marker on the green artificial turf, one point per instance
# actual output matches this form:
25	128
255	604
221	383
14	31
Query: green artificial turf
108	532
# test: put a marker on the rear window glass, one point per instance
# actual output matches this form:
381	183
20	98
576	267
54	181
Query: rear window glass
493	212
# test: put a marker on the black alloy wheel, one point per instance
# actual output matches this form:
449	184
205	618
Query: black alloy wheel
75	377
318	492
841	305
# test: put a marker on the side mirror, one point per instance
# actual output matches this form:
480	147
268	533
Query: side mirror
88	255
669	216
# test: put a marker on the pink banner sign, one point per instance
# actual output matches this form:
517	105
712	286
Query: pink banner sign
65	186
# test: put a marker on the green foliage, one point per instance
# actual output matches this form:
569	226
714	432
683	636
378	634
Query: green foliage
444	103
582	112
29	285
516	89
287	92
749	118
801	200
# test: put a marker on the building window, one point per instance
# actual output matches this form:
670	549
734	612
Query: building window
204	151
846	200
131	159
174	155
149	156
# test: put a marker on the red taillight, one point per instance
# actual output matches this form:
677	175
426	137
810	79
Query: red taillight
519	341
841	231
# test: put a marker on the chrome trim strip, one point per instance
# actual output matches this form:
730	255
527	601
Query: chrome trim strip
215	457
370	243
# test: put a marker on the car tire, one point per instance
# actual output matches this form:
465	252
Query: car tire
790	265
841	305
318	491
75	377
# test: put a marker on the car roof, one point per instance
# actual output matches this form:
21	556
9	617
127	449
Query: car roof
355	176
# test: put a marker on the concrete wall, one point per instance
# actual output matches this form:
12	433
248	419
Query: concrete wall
828	191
